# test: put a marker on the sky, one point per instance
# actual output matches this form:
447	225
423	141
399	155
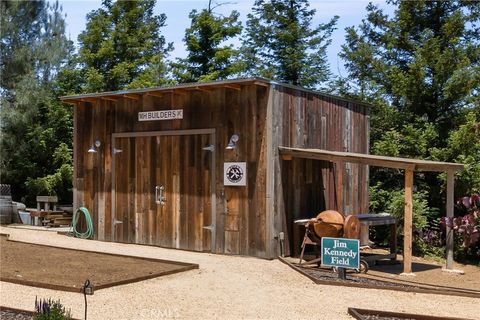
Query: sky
351	13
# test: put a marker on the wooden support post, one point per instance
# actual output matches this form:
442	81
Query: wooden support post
407	225
449	249
449	244
393	240
339	175
270	178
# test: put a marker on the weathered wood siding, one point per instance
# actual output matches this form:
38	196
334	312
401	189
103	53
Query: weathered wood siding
247	220
304	187
240	219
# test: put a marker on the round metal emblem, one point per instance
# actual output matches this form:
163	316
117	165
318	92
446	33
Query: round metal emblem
234	174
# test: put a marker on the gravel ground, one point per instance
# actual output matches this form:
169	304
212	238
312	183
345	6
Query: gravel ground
225	287
14	315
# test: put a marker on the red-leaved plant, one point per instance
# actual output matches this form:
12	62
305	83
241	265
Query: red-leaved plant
467	225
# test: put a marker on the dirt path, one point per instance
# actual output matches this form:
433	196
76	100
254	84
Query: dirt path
224	287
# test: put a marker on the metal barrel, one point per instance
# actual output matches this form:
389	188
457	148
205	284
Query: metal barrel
6	210
6	206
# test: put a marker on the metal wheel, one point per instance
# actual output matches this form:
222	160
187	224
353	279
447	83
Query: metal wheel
364	267
351	229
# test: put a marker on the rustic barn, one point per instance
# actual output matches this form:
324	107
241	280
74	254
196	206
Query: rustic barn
198	167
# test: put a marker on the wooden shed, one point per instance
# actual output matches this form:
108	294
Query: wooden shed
197	166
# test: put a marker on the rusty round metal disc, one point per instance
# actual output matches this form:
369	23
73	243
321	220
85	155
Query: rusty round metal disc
351	229
329	224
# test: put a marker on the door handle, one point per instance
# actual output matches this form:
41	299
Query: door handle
159	195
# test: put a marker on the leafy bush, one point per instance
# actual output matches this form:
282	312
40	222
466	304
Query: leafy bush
393	202
50	310
59	183
428	238
464	147
466	228
429	244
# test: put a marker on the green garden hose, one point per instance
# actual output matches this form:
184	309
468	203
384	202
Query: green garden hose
88	219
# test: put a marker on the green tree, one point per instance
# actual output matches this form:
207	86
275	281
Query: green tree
34	125
425	60
122	47
420	68
281	43
209	58
463	146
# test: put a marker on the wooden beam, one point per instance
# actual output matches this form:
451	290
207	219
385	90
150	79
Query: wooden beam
263	84
76	157
232	86
91	100
352	159
203	89
110	98
339	185
131	96
373	160
450	195
270	179
287	157
408	223
72	102
155	94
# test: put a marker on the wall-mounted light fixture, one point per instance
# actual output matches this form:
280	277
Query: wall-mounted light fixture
232	144
210	148
95	146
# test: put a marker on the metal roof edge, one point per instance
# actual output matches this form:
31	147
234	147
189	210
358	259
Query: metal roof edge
161	88
313	91
209	83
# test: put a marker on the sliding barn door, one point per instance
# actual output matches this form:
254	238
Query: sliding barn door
163	191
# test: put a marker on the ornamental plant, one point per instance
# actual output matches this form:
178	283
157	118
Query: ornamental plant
466	227
50	310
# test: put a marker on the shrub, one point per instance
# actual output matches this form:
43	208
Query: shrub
466	227
55	184
393	202
50	310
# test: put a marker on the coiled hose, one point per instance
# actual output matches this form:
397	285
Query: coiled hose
88	219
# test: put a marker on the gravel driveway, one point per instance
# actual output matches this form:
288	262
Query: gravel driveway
225	287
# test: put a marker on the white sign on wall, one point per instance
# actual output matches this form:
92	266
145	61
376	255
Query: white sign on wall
160	115
235	173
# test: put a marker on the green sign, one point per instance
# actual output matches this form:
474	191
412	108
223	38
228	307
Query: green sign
341	252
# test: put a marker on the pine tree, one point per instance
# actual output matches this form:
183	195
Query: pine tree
36	129
281	44
122	47
424	60
421	68
209	58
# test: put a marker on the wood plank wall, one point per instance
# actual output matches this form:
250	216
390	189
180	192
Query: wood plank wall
240	218
309	120
265	116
